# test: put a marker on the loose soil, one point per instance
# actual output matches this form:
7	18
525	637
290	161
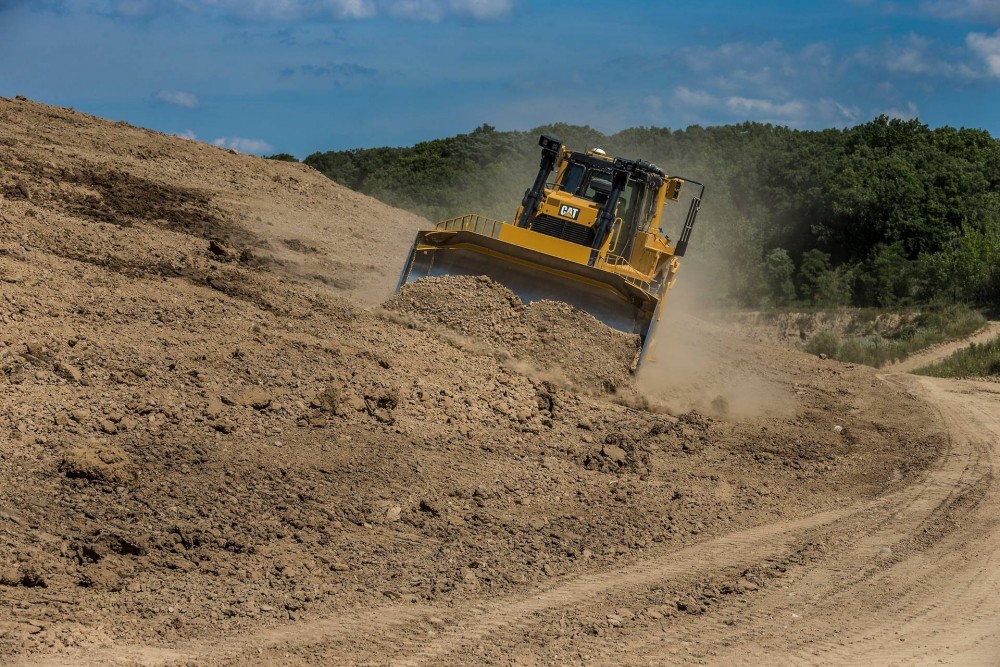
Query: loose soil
547	338
216	449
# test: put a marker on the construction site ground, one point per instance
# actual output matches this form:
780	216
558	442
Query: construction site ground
223	442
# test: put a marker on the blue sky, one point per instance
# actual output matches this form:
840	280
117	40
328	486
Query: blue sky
303	75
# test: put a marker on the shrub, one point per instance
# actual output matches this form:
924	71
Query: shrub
825	342
974	361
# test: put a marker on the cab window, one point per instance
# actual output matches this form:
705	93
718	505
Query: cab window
573	178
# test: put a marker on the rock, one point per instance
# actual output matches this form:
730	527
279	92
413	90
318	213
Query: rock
14	629
538	523
101	578
586	424
339	566
214	408
37	349
9	576
223	426
20	98
393	513
62	419
430	507
256	397
615	621
822	355
615	453
69	372
216	248
109	427
32	578
838	428
22	189
80	415
98	462
689	606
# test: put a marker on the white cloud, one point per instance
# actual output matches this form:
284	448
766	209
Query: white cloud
797	112
766	68
964	10
833	111
792	109
654	104
187	134
482	10
284	10
307	10
920	57
908	113
436	10
178	98
244	145
686	97
987	48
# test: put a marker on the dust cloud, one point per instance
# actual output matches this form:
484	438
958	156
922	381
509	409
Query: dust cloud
694	364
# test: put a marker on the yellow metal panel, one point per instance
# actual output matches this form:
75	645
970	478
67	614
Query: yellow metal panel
554	201
549	245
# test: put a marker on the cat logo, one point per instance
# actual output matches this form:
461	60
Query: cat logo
568	211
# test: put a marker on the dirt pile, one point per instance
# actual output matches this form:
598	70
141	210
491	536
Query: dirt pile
57	161
548	338
203	433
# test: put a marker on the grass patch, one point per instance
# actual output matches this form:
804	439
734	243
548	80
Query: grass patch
977	360
929	328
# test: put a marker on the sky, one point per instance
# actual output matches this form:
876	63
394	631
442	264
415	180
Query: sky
299	76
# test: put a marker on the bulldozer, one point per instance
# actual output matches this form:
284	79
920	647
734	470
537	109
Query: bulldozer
592	237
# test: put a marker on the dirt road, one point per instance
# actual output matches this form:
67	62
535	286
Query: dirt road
925	357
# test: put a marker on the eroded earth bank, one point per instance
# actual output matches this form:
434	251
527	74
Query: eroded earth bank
217	447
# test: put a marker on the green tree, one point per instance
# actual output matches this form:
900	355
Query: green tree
779	269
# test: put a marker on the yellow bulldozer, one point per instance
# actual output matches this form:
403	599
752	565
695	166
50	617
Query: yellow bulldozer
592	237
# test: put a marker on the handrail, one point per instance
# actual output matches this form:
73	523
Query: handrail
471	223
619	261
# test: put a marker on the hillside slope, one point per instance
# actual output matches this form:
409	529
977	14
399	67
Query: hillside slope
206	432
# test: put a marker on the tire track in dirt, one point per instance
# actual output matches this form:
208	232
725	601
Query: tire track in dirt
893	519
935	599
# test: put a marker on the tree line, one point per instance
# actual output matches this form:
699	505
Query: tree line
888	213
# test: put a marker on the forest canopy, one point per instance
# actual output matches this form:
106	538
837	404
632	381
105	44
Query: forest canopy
888	213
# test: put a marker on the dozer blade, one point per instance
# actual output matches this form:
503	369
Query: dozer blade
533	276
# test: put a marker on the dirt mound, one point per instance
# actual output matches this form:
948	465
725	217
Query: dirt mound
205	432
265	212
549	338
